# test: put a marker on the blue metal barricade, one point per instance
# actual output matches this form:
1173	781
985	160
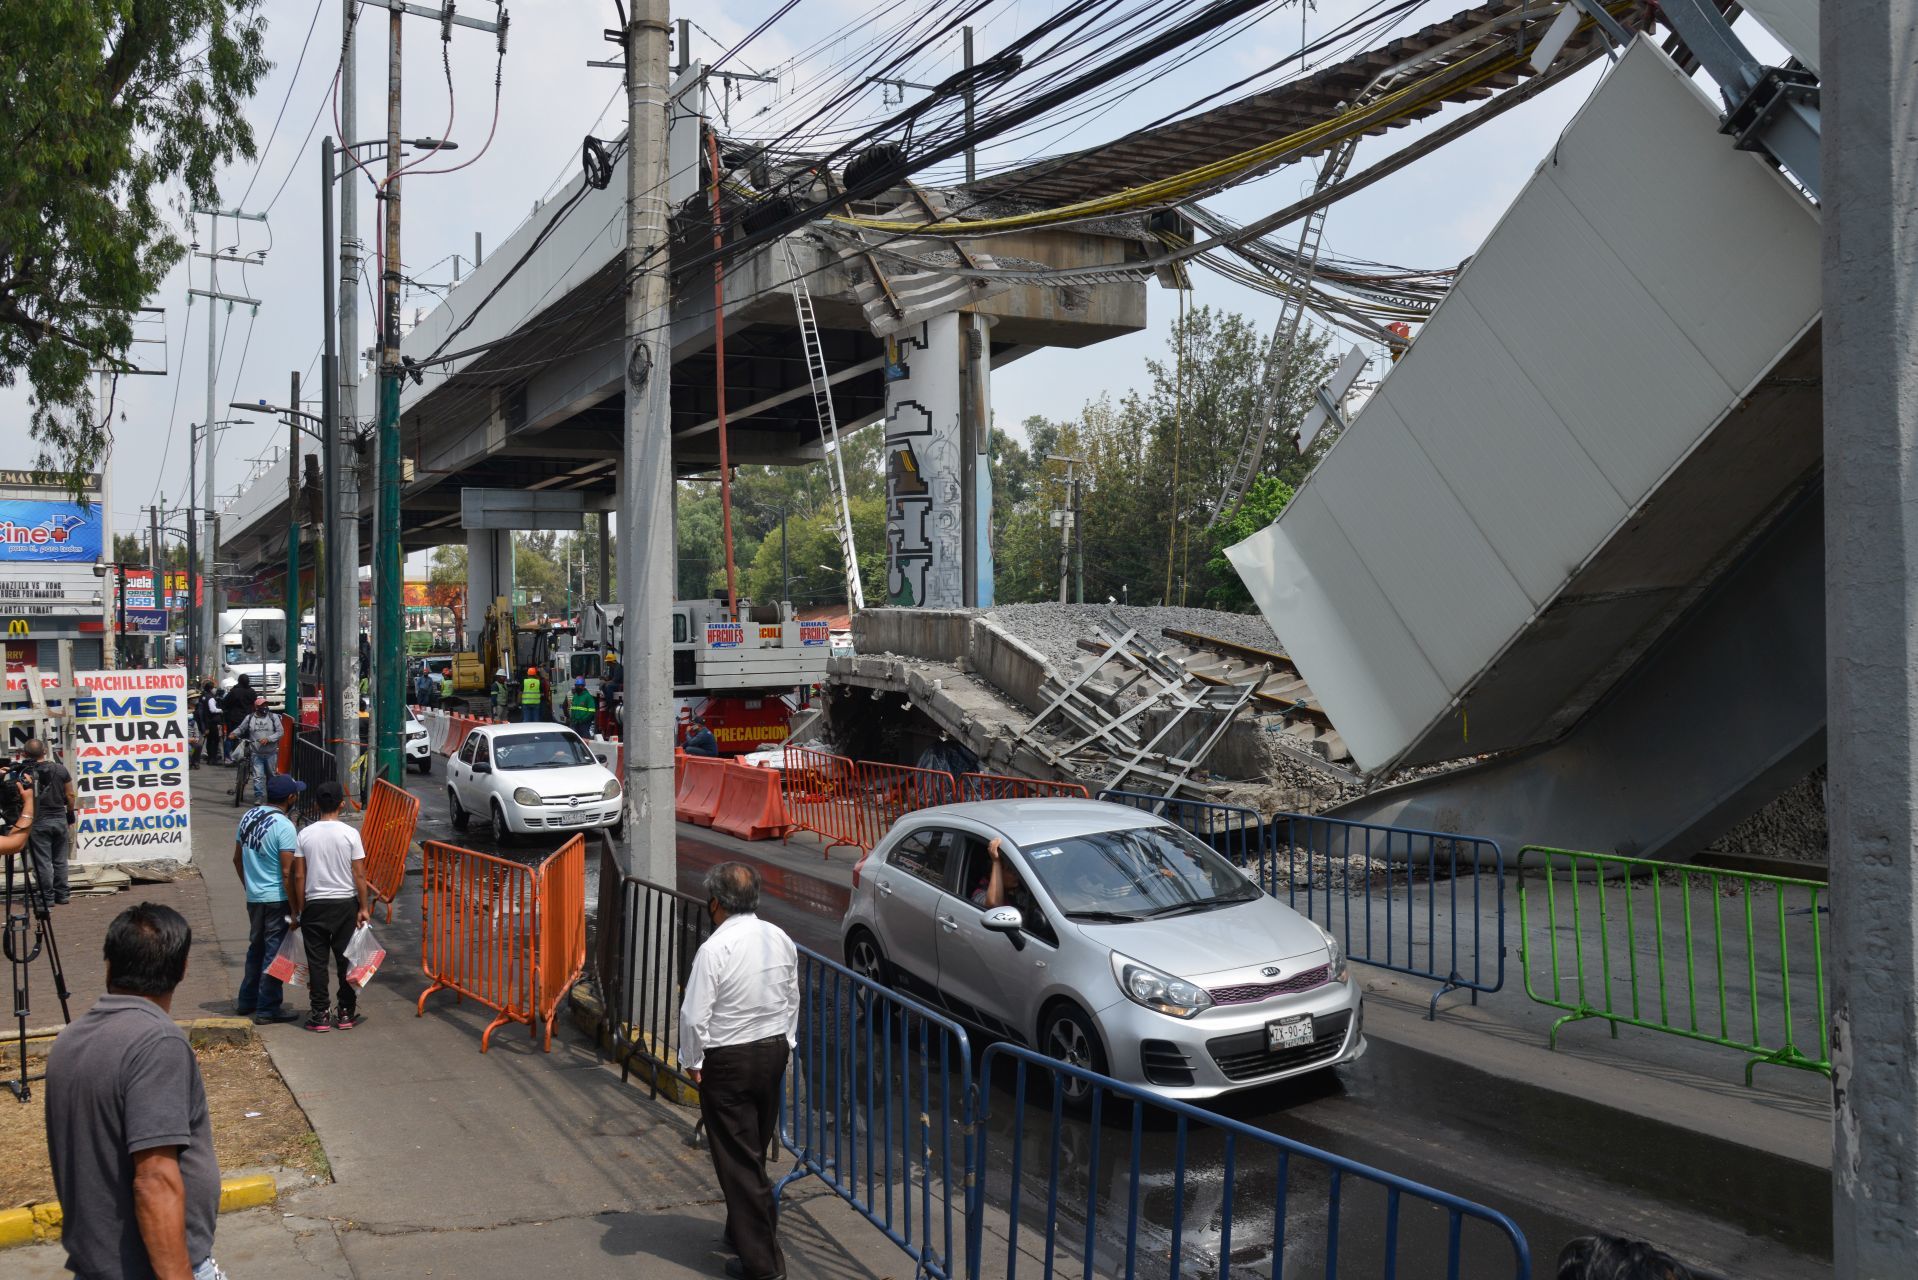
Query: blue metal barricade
1426	903
878	1104
1195	1192
1236	832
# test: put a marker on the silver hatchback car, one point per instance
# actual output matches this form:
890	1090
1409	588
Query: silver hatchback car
1112	939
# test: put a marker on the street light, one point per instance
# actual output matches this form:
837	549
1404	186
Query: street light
196	621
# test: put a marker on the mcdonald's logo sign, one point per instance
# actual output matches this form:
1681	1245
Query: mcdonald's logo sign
16	627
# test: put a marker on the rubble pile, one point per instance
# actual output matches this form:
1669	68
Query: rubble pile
1056	629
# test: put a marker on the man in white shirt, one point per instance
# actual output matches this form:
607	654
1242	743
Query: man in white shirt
737	1027
329	900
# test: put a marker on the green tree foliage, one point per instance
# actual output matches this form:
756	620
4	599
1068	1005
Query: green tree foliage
105	106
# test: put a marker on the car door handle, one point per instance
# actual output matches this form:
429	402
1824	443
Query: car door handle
884	887
949	923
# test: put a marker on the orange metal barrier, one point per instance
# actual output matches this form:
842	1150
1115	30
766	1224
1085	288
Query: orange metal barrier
510	936
822	796
890	791
993	786
750	805
392	816
697	799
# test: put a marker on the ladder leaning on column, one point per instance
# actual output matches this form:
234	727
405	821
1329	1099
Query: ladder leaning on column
828	428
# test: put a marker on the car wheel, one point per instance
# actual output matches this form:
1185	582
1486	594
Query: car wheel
426	766
864	958
461	818
618	830
502	834
1067	1035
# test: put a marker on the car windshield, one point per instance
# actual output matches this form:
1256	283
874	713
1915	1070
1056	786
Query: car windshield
546	749
1137	874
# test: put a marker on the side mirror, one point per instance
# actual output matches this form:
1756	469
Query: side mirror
482	767
1004	920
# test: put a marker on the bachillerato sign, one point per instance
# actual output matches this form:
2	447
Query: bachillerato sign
129	764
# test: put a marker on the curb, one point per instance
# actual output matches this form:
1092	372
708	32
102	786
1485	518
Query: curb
40	1223
588	1017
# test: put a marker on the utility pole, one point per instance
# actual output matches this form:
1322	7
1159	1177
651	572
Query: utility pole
971	173
1068	517
1869	185
331	615
194	656
212	294
157	567
646	467
389	604
293	550
342	460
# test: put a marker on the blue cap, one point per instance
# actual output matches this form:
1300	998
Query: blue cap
279	787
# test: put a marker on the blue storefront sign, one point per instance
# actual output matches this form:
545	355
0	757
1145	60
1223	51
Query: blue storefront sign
50	532
145	622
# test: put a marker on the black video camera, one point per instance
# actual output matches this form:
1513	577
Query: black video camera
17	776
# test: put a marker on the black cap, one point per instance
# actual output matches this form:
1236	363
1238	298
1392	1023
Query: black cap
329	796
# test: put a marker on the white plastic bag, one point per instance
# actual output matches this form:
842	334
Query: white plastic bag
289	965
363	956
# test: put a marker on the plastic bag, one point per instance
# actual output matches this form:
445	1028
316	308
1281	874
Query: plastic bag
289	964
363	956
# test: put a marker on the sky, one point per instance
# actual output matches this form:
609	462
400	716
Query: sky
1434	213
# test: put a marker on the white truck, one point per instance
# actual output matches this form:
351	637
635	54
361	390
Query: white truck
253	644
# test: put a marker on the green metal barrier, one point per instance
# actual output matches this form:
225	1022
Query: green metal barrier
1727	927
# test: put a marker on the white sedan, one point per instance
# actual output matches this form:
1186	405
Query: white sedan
530	779
419	752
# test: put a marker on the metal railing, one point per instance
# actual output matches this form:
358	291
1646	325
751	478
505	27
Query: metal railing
822	796
647	936
1224	1195
1651	917
877	1104
1400	898
1232	830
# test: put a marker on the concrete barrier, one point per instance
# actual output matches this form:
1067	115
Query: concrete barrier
939	635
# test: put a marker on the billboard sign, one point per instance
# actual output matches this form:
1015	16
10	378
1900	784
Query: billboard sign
129	766
145	622
43	589
140	589
50	532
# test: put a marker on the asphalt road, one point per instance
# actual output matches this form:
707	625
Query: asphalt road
1557	1168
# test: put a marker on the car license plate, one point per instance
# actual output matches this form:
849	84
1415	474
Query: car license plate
1289	1032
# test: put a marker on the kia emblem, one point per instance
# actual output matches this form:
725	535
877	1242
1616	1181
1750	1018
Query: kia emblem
1270	971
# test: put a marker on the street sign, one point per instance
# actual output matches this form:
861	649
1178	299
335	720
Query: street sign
144	622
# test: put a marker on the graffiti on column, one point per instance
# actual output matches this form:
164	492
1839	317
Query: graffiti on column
924	526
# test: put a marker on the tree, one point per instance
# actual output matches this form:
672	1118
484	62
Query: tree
105	104
128	549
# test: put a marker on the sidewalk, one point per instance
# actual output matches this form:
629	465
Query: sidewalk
449	1163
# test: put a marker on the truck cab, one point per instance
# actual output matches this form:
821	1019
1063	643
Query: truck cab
253	644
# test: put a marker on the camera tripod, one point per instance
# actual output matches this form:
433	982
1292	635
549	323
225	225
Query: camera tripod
25	933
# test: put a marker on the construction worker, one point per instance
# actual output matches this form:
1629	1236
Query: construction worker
529	697
583	707
502	695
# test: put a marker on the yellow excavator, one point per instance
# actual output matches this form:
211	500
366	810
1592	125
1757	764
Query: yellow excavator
473	671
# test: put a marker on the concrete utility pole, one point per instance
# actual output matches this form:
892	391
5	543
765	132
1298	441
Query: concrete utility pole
293	550
389	604
343	527
1870	210
646	468
155	566
1068	521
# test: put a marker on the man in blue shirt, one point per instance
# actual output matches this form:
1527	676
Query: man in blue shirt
263	859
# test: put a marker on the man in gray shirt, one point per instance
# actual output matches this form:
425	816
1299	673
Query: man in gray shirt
127	1124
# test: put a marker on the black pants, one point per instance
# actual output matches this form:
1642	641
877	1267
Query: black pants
739	1099
327	926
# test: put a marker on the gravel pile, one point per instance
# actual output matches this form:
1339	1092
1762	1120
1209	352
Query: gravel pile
1056	629
1791	827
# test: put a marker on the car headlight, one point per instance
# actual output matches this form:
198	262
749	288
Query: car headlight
1159	992
1336	957
526	795
612	790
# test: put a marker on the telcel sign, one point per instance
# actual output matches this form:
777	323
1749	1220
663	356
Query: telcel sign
49	532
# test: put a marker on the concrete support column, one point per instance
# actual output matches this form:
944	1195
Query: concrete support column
925	488
1870	183
489	575
975	471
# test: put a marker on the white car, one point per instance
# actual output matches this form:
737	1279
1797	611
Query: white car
419	752
528	779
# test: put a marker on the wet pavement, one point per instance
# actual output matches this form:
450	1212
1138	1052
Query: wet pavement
1558	1166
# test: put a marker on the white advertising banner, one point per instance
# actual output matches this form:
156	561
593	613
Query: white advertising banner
129	764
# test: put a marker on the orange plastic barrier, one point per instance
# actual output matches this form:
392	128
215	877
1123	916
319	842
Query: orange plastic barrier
890	791
822	796
392	816
993	786
510	936
457	727
750	805
283	762
697	799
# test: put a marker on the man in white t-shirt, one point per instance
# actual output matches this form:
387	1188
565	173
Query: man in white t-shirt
329	901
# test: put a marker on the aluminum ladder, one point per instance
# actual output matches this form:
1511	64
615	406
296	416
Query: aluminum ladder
1278	356
828	425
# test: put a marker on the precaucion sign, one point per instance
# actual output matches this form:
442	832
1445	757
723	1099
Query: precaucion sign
129	766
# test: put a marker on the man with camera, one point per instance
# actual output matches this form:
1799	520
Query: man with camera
55	811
